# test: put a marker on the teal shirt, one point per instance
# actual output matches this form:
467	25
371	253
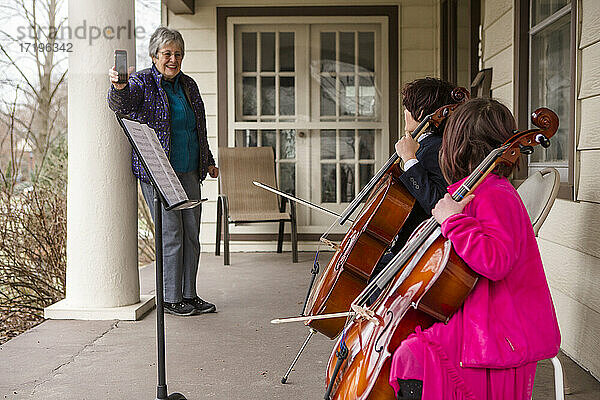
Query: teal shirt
185	148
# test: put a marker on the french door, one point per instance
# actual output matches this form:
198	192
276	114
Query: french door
316	93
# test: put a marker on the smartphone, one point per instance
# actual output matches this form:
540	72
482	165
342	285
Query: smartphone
121	65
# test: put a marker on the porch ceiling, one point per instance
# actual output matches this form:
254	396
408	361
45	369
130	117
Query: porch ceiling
180	6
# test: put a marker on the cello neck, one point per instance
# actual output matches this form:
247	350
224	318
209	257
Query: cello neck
481	171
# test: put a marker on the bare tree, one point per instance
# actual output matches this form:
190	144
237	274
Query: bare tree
33	62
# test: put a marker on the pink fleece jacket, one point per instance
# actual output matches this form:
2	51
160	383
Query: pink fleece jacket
509	318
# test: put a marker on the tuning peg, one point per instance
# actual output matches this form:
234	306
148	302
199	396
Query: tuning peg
526	149
543	140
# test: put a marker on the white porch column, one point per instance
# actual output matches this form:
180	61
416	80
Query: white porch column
102	272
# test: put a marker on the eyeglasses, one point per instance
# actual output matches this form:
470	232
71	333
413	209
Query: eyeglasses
167	55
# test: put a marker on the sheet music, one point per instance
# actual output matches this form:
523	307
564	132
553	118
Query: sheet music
159	167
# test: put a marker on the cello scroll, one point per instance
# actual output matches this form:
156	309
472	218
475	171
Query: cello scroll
546	121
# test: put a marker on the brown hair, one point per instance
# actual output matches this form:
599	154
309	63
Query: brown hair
476	128
424	96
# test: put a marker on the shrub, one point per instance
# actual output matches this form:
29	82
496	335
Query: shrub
33	233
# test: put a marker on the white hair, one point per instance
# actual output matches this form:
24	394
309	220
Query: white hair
162	36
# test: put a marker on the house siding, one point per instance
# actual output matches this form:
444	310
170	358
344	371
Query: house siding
568	239
497	47
418	40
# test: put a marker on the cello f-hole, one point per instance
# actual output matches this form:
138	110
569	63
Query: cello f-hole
380	348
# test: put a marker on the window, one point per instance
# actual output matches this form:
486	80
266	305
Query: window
545	78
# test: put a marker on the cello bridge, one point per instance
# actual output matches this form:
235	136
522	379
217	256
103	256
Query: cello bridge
367	314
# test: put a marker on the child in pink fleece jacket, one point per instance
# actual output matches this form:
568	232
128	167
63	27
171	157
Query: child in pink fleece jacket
489	349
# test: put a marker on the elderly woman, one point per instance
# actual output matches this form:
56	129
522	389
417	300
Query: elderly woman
169	102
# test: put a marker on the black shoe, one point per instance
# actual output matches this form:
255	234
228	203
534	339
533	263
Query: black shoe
200	306
181	308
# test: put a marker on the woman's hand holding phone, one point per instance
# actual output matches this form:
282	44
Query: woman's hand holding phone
119	74
113	75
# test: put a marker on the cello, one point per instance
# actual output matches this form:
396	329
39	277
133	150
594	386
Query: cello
425	283
370	235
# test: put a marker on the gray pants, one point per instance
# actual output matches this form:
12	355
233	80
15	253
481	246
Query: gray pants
181	242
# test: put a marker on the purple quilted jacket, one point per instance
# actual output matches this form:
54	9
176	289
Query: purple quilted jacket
145	101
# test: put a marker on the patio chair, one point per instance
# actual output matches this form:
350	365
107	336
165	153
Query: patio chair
538	193
241	202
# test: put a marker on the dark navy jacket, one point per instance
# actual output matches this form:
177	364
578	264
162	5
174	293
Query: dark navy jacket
144	100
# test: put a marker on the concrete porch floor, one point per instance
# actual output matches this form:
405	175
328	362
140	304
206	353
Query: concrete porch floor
234	354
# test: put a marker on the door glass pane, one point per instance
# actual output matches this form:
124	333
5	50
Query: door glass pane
366	140
268	138
288	143
245	138
287	177
347	182
249	51
267	93
328	52
551	84
328	151
287	96
347	95
366	96
328	91
344	155
328	185
542	9
347	51
347	144
267	46
366	173
249	96
342	65
366	51
286	51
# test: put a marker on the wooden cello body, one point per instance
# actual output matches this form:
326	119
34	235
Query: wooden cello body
350	268
432	292
428	283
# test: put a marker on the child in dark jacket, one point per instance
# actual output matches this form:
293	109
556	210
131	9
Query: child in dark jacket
422	176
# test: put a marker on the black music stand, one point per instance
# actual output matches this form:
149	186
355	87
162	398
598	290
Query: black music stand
168	192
